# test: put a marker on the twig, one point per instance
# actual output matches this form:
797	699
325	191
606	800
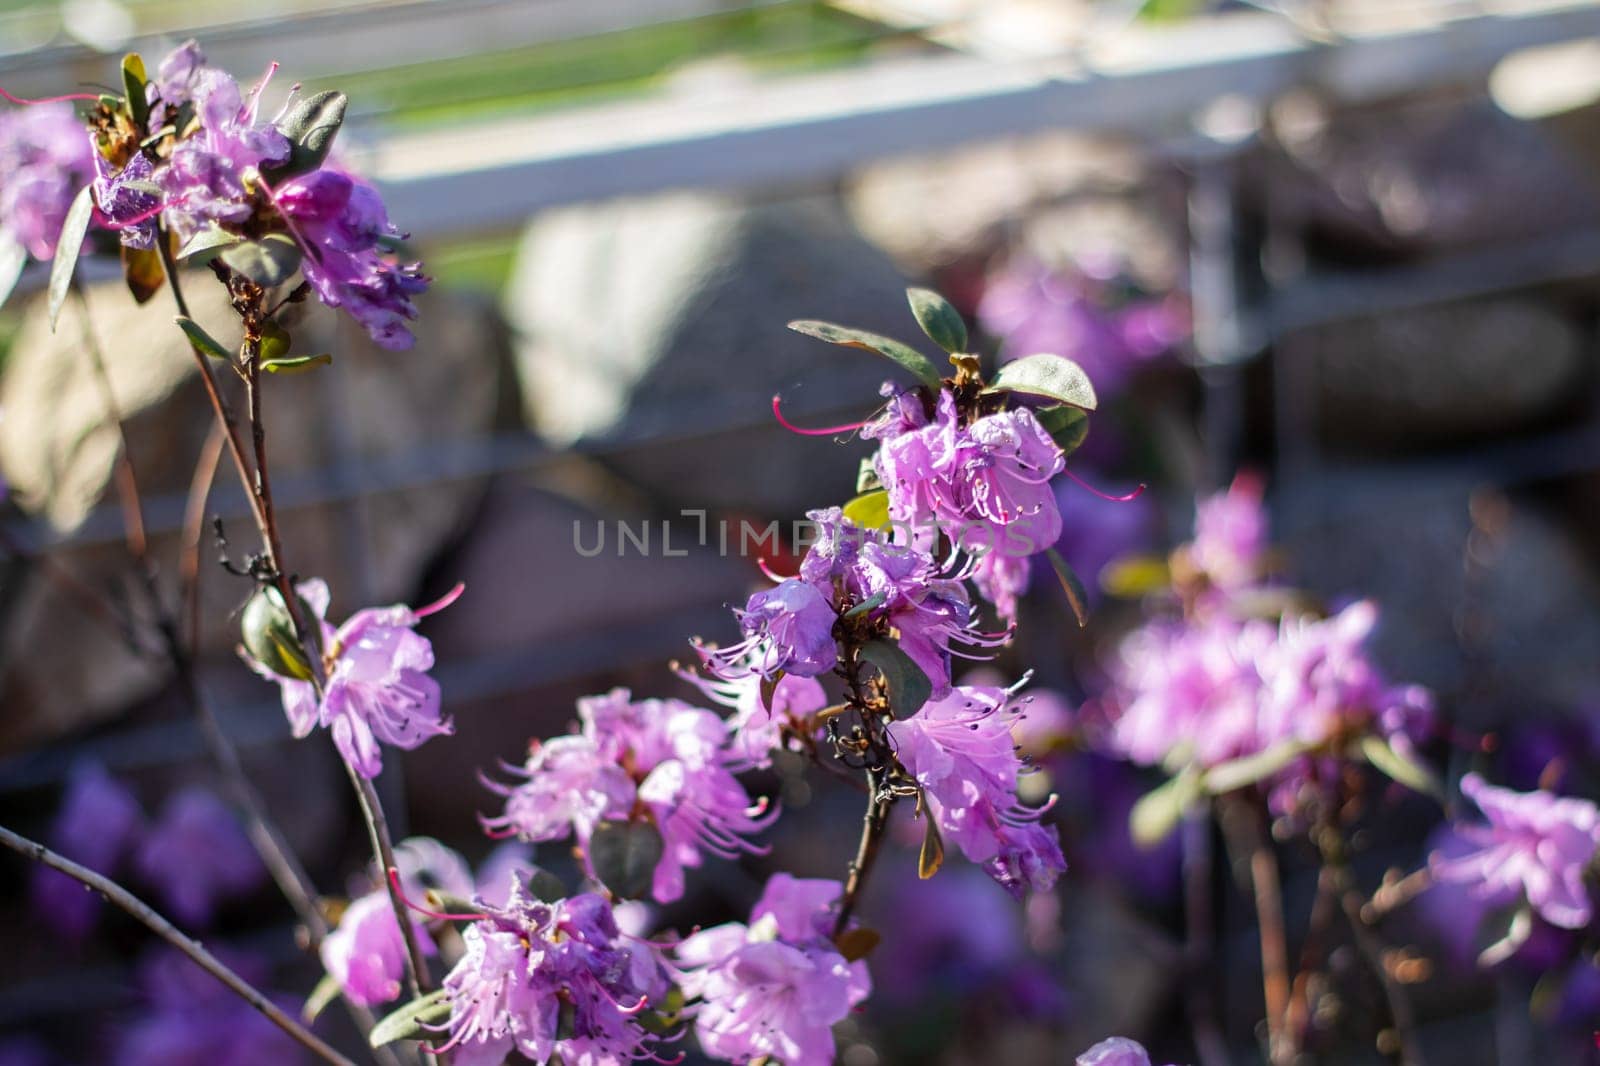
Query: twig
872	826
383	849
141	911
1199	943
1248	837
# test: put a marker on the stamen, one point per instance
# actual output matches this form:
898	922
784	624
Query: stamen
824	431
49	99
1134	495
394	879
761	564
442	602
144	216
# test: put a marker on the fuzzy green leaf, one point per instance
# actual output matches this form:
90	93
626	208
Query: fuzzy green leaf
909	688
407	1022
870	510
1067	426
907	357
1050	376
310	125
73	231
1158	811
1076	596
133	83
268	262
940	321
203	342
624	856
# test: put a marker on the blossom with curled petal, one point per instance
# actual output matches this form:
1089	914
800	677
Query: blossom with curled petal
550	980
777	986
1536	845
961	752
376	685
664	760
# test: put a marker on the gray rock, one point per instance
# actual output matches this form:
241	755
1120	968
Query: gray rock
654	331
326	430
1433	374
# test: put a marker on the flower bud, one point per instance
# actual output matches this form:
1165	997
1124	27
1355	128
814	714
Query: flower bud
269	634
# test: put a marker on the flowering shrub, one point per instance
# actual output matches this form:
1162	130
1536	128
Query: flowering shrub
1257	704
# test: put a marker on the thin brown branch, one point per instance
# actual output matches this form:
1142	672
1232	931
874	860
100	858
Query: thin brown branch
383	849
121	897
873	824
1199	939
1248	839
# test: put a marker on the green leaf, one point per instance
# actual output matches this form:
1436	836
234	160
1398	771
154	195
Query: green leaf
13	257
133	83
326	992
268	262
909	688
143	272
867	478
869	604
1246	771
769	690
1399	767
1133	576
275	341
1050	376
920	366
70	243
297	364
1076	596
310	125
207	243
1067	426
870	510
1503	931
932	855
203	342
624	856
1158	811
407	1022
941	322
546	886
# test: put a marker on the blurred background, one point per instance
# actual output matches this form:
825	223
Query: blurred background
1350	245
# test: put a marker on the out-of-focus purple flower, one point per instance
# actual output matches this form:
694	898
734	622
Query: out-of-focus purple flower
45	158
662	759
530	965
1231	534
205	180
177	77
24	1051
98	826
1033	309
1000	579
377	686
342	226
960	750
197	855
1116	1051
366	953
510	863
777	986
192	1020
788	627
1535	844
756	730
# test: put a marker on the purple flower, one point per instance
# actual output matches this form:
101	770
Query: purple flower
98	826
45	158
756	730
961	752
342	227
366	953
1117	1051
1000	579
549	979
788	628
197	855
376	689
1034	309
1535	844
777	986
192	1020
205	180
174	85
1231	534
661	759
128	199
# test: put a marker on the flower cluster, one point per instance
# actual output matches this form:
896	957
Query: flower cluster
375	683
44	160
775	987
1218	686
664	762
853	575
550	980
207	167
1536	846
983	481
194	855
960	750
